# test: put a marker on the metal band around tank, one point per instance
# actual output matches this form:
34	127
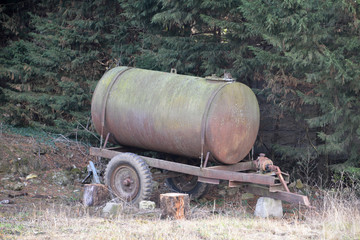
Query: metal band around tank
105	100
205	118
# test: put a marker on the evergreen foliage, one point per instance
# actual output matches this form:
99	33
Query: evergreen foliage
313	59
304	52
191	36
50	74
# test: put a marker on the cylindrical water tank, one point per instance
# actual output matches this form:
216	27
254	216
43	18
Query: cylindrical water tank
177	114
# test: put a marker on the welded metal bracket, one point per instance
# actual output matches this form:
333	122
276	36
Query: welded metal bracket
276	194
227	78
91	173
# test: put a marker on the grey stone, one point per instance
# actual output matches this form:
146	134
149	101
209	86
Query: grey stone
246	196
147	205
5	201
35	181
268	207
60	178
8	178
112	209
19	166
18	186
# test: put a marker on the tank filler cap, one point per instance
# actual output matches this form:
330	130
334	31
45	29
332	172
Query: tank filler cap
226	78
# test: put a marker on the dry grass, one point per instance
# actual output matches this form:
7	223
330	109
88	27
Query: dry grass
335	217
339	215
50	224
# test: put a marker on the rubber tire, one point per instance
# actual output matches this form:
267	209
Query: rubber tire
197	192
142	170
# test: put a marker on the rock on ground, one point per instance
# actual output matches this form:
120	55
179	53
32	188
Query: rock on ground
60	178
147	205
17	186
112	209
268	207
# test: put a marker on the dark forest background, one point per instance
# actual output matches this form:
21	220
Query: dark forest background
300	57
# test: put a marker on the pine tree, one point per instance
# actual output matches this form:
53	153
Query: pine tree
306	52
51	72
310	56
191	36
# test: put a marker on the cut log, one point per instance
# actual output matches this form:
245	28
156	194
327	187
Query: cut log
174	205
95	194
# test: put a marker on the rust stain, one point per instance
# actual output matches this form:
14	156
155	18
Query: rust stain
179	208
164	112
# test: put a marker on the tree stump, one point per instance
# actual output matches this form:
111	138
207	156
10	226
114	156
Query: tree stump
174	205
95	194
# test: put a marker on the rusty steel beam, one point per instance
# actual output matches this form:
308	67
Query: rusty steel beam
238	167
209	173
247	181
281	195
193	170
105	153
208	180
277	187
111	152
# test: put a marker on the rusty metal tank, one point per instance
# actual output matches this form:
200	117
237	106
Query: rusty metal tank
177	114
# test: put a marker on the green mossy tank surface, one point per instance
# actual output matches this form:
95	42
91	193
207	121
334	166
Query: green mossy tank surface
177	114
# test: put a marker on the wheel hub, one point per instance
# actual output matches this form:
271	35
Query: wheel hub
125	183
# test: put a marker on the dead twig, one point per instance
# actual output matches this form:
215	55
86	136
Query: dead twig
77	143
58	139
87	130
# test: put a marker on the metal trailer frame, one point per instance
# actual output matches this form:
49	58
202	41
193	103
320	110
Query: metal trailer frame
272	184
